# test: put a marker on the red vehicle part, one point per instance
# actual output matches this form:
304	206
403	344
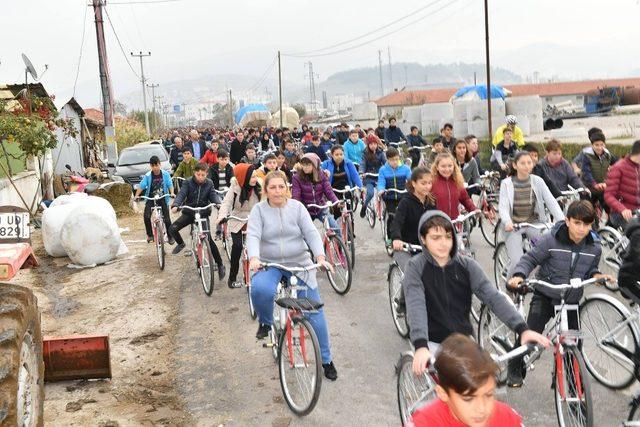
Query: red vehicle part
76	357
13	257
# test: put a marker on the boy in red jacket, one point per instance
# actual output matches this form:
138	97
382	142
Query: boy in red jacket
466	390
622	192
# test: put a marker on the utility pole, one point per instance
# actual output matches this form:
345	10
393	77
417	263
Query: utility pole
144	92
230	109
105	79
153	97
280	88
486	34
380	69
390	73
475	80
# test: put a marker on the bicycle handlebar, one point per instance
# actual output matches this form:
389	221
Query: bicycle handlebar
464	217
393	190
373	175
290	269
523	350
325	206
153	198
407	247
521	225
489	174
346	190
179	178
468	186
532	283
199	209
237	218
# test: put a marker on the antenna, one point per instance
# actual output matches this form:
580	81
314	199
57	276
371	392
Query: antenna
29	68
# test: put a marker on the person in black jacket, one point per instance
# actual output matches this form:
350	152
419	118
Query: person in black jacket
629	274
196	192
343	134
539	170
238	148
317	148
175	157
222	172
197	144
380	130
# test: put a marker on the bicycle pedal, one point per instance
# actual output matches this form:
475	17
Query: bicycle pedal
268	345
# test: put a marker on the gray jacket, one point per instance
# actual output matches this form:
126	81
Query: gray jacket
562	175
439	298
540	189
470	172
561	260
283	236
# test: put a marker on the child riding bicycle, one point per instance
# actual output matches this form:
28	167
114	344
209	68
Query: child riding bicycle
392	175
156	181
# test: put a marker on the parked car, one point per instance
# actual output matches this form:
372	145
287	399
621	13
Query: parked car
133	162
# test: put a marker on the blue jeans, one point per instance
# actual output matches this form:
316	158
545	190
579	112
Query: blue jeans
333	224
264	285
371	187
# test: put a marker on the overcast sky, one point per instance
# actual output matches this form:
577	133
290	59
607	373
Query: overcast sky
191	38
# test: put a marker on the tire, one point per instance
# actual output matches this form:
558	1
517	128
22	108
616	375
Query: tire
227	242
206	269
394	279
570	377
350	242
383	221
601	322
488	227
160	244
252	309
21	361
340	280
495	337
500	265
608	259
274	334
388	248
412	392
634	413
307	367
371	216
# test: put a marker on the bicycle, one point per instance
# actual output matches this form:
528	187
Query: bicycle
371	211
614	245
415	392
246	276
463	232
422	155
488	202
157	228
294	343
501	259
336	253
177	183
571	195
383	215
347	222
570	382
394	279
201	250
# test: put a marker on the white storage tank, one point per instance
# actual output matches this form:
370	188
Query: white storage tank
365	111
529	106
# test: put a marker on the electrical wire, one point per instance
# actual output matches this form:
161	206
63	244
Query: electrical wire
84	25
135	21
262	78
120	44
143	2
375	30
376	38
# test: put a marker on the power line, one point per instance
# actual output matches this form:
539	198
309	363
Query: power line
379	37
143	2
135	21
375	30
264	76
126	58
84	24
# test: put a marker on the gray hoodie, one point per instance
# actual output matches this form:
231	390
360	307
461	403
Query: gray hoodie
439	298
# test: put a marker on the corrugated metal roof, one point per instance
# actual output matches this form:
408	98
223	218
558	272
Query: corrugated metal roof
430	96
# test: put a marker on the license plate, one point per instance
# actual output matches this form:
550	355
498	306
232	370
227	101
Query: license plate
14	225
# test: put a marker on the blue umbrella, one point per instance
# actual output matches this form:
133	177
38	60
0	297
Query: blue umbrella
481	90
249	108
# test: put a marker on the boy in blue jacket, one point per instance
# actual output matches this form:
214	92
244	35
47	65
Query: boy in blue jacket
317	148
353	148
156	182
392	175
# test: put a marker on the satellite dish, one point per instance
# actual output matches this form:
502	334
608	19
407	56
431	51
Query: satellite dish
29	67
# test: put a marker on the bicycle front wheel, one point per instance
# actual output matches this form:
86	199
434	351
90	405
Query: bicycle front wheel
609	259
495	337
350	241
395	293
607	330
500	265
371	216
159	238
634	413
413	392
571	388
488	226
206	267
227	242
338	256
300	366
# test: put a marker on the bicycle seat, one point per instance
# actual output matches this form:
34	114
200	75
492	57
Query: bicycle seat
302	304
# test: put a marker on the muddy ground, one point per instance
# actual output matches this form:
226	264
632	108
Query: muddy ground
134	303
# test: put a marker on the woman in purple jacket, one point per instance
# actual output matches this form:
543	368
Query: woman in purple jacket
310	185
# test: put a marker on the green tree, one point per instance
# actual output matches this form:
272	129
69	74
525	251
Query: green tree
129	132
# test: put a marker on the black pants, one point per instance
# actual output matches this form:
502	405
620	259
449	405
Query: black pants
236	253
186	220
414	155
147	216
391	205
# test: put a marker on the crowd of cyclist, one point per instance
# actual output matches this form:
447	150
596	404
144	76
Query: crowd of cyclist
270	175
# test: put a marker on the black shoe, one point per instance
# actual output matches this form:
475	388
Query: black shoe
233	284
402	306
149	239
171	240
263	331
363	211
178	248
515	378
222	271
330	371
